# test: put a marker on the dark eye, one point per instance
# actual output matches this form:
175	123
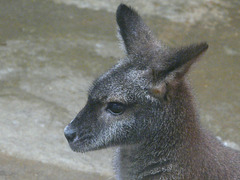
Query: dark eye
115	108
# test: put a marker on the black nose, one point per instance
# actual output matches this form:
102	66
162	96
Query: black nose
69	134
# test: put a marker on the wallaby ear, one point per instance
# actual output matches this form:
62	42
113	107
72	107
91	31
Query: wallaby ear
170	72
181	59
134	32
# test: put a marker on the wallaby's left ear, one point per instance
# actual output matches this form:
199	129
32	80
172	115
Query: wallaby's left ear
134	32
174	67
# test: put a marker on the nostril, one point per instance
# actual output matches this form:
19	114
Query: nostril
70	135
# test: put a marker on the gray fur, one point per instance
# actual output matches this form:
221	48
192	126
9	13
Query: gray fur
158	134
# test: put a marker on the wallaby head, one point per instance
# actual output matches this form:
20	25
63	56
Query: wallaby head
136	99
143	105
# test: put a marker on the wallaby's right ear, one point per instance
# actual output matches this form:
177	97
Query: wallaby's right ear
134	32
167	73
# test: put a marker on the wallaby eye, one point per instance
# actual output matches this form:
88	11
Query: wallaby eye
115	108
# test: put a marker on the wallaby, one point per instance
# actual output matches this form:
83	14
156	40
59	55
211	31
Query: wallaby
144	106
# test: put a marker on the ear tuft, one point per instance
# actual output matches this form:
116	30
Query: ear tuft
159	90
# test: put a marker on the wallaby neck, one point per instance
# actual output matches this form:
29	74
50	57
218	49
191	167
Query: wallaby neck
155	157
161	152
